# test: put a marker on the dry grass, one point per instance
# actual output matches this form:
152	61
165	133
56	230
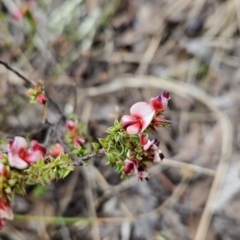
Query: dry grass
104	55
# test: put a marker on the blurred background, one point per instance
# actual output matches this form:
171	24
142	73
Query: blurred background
104	56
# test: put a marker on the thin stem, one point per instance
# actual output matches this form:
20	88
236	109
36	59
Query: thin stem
30	83
78	161
26	80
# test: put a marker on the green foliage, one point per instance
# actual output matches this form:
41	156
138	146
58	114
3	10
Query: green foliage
81	151
119	146
96	147
43	172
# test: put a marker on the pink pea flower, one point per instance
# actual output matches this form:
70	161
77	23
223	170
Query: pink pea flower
42	99
141	116
19	156
132	166
5	212
77	142
160	102
151	148
71	125
56	150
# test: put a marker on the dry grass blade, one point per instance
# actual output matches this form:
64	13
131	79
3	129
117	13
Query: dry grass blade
170	201
90	201
190	167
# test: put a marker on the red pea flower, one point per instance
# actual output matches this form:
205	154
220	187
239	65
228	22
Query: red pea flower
160	102
77	142
151	147
5	211
132	166
141	116
56	150
19	156
42	99
71	125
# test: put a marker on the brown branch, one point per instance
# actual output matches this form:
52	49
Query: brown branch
77	161
28	82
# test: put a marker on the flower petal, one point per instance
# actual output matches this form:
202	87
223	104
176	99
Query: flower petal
143	139
146	121
148	145
5	210
127	118
133	129
130	166
143	111
35	146
17	144
71	125
56	150
158	156
160	102
15	161
15	149
35	152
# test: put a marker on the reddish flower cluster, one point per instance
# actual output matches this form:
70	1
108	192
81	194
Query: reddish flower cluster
37	94
134	166
20	156
5	207
5	211
145	116
151	148
73	133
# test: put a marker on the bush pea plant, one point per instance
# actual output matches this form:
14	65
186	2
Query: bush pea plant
127	147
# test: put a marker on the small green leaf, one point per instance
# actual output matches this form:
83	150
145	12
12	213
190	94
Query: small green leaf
66	173
103	142
96	146
30	182
12	182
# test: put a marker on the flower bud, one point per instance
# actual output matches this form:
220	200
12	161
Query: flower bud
56	150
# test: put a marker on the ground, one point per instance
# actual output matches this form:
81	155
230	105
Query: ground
97	58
